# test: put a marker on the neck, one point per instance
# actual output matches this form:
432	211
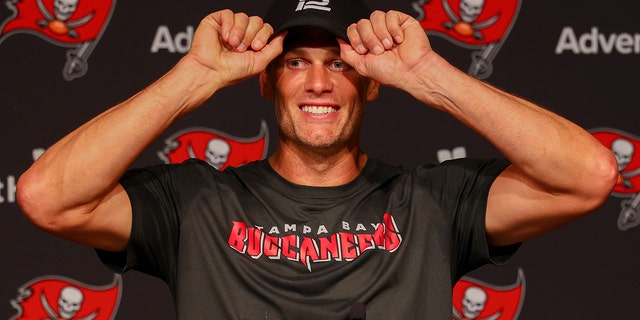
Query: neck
317	168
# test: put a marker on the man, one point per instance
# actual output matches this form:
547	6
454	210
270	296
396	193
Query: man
318	228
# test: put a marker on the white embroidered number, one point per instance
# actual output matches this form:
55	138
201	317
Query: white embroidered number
317	5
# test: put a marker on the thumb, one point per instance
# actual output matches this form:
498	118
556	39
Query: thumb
348	53
272	50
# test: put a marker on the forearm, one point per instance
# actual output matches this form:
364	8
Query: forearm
84	166
73	190
552	151
559	171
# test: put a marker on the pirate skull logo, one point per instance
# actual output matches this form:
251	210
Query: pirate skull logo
58	22
466	23
217	153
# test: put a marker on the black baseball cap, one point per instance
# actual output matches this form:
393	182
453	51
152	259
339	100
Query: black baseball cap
334	16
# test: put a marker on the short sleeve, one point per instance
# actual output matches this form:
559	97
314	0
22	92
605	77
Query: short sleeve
462	188
156	194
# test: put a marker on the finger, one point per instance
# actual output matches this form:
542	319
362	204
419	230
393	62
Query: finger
355	40
238	30
254	25
394	25
224	20
348	53
271	50
411	28
369	38
262	37
380	27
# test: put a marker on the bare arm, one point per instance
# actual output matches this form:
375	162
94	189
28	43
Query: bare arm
73	190
561	174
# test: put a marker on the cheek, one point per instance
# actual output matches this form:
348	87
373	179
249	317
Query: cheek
282	112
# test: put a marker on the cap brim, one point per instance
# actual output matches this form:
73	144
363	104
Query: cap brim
336	29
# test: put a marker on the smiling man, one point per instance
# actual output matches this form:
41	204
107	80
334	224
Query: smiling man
319	102
318	230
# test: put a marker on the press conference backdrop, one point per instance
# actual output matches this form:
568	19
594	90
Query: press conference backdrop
63	62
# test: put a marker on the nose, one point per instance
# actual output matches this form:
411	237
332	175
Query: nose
319	79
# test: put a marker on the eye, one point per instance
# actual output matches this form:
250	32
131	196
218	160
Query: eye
338	65
296	63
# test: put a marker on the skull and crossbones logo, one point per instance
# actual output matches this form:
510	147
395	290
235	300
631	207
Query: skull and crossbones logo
69	304
624	150
474	302
217	153
466	24
59	22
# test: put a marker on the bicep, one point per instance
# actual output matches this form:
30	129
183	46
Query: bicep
518	209
107	226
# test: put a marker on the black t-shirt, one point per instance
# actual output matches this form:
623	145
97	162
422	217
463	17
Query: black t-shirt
247	244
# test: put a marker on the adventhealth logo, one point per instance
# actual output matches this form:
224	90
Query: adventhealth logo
317	5
596	42
178	42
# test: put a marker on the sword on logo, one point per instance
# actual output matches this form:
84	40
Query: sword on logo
630	213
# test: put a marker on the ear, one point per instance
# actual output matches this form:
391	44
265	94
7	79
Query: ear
266	87
373	90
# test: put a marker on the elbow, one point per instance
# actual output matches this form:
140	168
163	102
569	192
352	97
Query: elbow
603	178
34	201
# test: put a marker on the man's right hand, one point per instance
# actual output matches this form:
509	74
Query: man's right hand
234	46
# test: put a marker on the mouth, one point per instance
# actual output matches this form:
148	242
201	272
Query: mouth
319	110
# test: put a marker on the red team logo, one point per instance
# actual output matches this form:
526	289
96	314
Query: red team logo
342	246
59	298
624	147
216	148
481	24
77	24
475	300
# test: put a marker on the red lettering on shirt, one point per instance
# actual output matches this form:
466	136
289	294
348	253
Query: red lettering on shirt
346	245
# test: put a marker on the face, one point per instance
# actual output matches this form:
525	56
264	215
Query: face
319	99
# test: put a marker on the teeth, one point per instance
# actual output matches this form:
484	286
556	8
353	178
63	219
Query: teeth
318	110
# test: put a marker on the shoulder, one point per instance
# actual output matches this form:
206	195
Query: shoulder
465	167
187	176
